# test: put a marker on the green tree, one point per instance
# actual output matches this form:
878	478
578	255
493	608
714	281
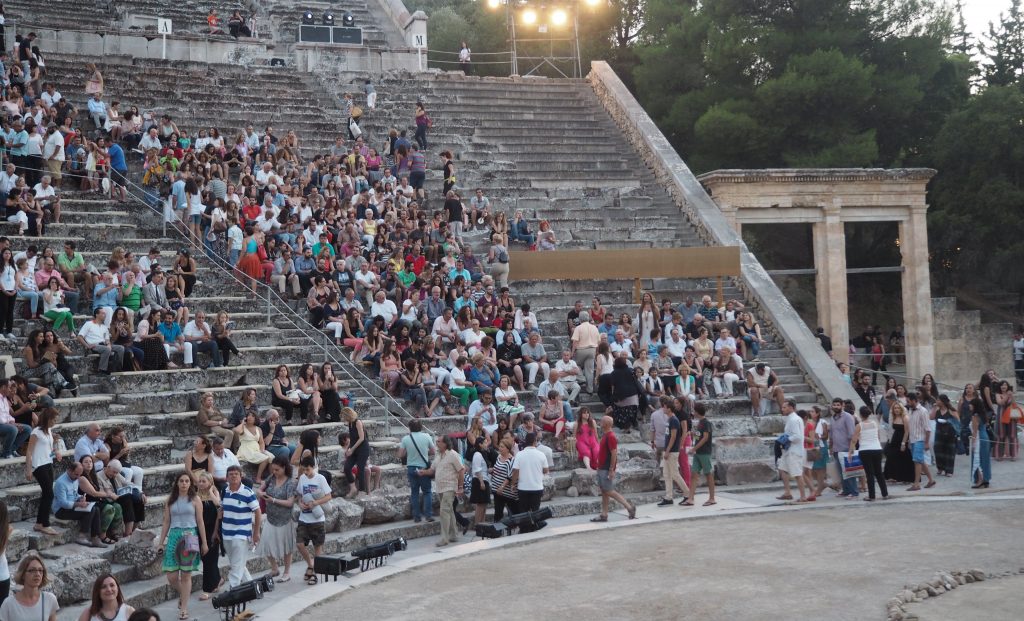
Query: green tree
1004	51
975	226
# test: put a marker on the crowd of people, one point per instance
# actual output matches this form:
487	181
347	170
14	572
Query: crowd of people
900	436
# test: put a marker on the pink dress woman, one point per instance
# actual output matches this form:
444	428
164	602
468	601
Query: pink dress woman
586	444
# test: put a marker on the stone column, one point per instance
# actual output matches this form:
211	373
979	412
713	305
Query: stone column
830	279
917	294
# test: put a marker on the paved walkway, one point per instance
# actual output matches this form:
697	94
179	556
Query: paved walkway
1000	600
814	563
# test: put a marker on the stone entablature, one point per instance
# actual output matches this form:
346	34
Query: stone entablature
827	198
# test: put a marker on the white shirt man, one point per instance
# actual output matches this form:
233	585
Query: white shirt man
264	174
621	345
445	327
569	374
676	345
8	180
50	99
53	148
530	466
384	307
222	460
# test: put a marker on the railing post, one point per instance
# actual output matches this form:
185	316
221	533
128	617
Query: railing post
721	294
637	291
269	307
327	343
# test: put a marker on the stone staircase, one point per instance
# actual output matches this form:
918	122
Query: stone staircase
82	14
200	96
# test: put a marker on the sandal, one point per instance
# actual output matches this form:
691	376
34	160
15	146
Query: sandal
600	518
183	614
709	503
204	597
109	540
310	576
784	497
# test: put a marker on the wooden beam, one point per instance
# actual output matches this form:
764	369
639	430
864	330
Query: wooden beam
701	262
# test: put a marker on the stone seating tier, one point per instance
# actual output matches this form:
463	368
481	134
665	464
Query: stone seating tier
88	14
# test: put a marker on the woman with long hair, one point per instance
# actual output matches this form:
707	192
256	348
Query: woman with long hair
330	398
947	434
39	456
221	332
183	524
39	364
107	602
206	492
963	408
586	438
1007	414
357	454
310	401
646	318
252	448
899	464
480	486
981	451
866	436
30	602
282	396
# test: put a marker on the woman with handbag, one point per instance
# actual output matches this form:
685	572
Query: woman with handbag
182	538
866	434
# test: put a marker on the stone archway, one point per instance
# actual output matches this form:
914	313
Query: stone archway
827	198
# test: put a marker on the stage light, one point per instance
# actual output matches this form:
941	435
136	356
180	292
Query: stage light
494	3
559	17
347	19
490	531
235	600
529	521
328	19
529	17
333	566
308	19
377	554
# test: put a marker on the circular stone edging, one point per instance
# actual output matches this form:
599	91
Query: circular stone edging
941	582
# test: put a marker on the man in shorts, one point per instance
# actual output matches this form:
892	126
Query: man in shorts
701	451
311	492
919	436
792	462
607	460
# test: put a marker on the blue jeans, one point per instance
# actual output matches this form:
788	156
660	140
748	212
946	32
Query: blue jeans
567	412
849	485
418	485
281	451
233	257
33	300
14	436
752	343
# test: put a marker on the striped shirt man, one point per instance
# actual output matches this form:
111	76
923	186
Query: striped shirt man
238	506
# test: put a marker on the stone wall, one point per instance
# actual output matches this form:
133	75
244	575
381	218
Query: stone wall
965	347
689	195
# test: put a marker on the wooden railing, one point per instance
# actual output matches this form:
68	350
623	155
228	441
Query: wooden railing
702	262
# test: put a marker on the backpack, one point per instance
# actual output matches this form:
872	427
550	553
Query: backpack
502	255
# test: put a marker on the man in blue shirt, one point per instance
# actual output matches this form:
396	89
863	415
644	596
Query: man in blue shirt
240	519
104	295
68	504
98	110
119	171
174	339
460	270
19	147
179	201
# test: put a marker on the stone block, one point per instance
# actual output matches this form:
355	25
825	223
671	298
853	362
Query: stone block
740	473
343	515
626	480
72	575
139	552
